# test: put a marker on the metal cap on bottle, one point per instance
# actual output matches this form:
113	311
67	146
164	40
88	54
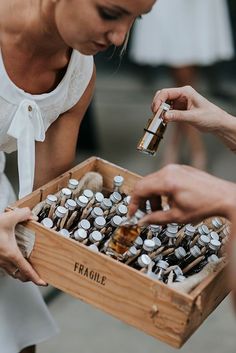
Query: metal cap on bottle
171	232
93	247
99	197
99	222
126	200
66	192
144	260
72	184
139	214
195	251
162	264
70	204
180	253
189	230
118	180
154	228
116	221
204	240
157	242
64	232
82	201
121	210
51	199
80	234
177	271
60	211
213	258
217	222
138	242
214	244
132	251
214	235
148	245
97	212
115	197
203	229
106	204
88	193
95	236
47	222
85	224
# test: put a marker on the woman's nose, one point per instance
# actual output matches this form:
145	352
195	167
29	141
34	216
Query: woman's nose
117	37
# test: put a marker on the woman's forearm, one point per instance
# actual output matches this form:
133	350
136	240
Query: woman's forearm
227	131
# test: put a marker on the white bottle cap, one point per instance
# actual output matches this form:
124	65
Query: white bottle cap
118	180
195	251
65	233
148	245
80	234
72	184
99	197
144	260
121	210
70	204
85	224
106	204
82	201
95	236
47	222
115	197
97	212
66	192
180	253
88	193
116	221
99	222
51	199
60	211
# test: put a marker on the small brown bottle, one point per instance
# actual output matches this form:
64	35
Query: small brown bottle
154	131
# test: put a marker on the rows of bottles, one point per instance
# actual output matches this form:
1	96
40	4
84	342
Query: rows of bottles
169	253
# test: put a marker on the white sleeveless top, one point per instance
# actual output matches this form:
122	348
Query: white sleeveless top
24	119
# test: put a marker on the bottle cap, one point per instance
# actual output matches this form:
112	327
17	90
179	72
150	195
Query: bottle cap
213	258
66	192
180	253
70	204
60	211
65	233
116	221
138	242
88	193
171	231
118	180
51	199
97	212
121	210
189	230
144	260
165	106
85	224
47	222
80	234
99	197
203	229
93	247
126	200
154	228
203	240
99	222
115	197
82	201
106	204
195	251
217	222
139	214
214	235
132	251
148	206
157	242
215	244
162	264
148	245
95	236
72	184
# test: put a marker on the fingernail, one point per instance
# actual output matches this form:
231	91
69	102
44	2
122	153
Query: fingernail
42	283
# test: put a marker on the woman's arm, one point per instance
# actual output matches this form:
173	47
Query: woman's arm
190	107
56	154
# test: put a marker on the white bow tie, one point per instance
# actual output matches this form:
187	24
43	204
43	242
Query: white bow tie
26	127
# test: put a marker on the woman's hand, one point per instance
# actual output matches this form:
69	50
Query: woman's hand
190	107
11	259
191	194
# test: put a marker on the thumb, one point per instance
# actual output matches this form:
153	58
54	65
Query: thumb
177	115
19	215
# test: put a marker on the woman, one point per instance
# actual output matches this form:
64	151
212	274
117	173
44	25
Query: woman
46	83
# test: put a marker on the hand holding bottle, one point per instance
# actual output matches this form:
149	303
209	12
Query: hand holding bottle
11	259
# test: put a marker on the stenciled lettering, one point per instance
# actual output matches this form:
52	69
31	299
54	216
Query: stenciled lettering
89	273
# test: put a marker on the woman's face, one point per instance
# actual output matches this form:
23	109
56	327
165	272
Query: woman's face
91	26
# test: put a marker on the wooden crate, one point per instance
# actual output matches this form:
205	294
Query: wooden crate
119	290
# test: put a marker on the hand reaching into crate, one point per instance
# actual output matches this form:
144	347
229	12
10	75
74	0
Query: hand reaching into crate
192	195
192	108
11	259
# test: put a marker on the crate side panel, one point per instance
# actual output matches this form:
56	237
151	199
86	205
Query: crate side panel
111	286
29	200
